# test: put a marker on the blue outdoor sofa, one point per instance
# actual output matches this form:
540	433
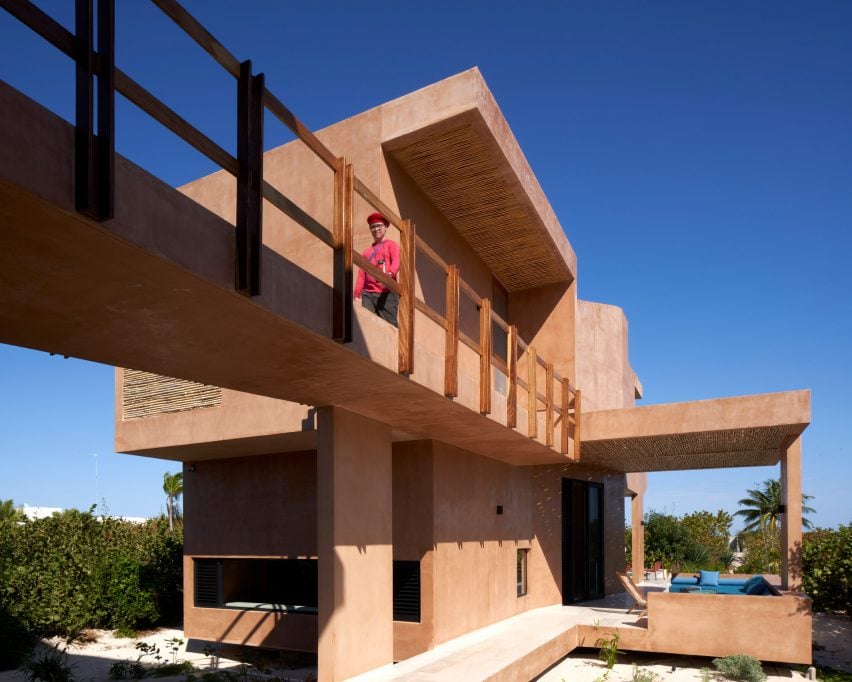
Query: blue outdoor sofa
710	581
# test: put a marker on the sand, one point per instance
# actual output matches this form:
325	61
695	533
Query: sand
92	659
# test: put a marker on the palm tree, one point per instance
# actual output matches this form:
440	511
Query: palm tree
764	506
8	512
173	487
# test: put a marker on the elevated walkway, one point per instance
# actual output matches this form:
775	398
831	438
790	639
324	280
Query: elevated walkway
153	289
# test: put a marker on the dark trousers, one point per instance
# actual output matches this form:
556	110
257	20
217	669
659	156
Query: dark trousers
385	305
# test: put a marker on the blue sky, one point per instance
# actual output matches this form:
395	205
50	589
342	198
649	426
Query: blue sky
698	155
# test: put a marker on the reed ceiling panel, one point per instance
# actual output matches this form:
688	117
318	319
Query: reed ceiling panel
459	173
757	446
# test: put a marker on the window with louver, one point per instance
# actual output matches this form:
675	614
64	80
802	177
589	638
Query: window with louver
406	591
208	582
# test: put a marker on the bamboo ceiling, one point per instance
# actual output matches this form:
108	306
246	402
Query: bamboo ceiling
463	176
757	446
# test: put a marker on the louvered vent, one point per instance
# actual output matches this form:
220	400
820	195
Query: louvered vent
147	394
208	582
406	591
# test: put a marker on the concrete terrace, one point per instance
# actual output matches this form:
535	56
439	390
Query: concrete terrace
521	647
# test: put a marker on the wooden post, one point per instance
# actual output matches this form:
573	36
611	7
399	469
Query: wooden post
485	357
577	425
512	366
548	392
563	446
451	356
406	298
342	239
532	400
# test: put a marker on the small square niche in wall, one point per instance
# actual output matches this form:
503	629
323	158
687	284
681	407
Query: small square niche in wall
499	509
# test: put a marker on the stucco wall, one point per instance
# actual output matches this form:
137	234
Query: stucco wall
603	367
476	548
413	539
546	555
545	317
252	506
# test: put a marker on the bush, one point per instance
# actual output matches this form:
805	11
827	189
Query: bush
17	641
690	543
740	667
827	566
762	552
51	666
75	570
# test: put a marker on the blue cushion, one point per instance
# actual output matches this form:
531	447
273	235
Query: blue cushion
756	585
754	580
733	582
708	578
684	580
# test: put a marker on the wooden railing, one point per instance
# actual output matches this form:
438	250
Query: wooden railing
564	413
94	179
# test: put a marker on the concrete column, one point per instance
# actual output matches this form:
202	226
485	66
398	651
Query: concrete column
791	521
637	538
354	544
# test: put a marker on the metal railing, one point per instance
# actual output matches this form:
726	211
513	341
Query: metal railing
96	73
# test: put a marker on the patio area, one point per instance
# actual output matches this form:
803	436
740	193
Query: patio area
524	646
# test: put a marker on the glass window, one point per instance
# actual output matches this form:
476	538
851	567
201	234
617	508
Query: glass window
522	571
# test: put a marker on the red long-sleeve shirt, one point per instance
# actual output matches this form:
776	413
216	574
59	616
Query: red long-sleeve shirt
386	250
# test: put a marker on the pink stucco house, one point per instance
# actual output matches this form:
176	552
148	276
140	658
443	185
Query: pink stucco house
355	489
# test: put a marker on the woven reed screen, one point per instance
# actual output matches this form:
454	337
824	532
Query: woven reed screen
146	395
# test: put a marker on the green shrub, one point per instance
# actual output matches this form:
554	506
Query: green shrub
75	570
689	543
132	600
740	667
762	552
609	649
643	675
17	641
827	567
50	666
126	670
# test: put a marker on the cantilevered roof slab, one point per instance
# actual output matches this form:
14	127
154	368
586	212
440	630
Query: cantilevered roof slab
454	141
703	434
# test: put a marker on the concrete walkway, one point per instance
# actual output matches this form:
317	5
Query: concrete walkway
518	648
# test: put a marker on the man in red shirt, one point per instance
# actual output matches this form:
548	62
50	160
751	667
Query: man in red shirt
384	253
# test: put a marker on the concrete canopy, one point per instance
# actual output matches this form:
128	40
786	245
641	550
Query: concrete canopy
454	141
703	434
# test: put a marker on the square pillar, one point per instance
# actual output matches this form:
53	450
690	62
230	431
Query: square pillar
791	520
354	544
637	536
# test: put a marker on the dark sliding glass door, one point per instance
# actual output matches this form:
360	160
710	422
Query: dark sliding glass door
582	541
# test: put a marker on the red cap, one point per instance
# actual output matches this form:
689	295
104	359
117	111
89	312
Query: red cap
376	217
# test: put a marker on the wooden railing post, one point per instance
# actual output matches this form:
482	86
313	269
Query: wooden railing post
342	244
451	355
548	392
408	248
566	392
512	366
577	425
532	401
249	231
485	357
